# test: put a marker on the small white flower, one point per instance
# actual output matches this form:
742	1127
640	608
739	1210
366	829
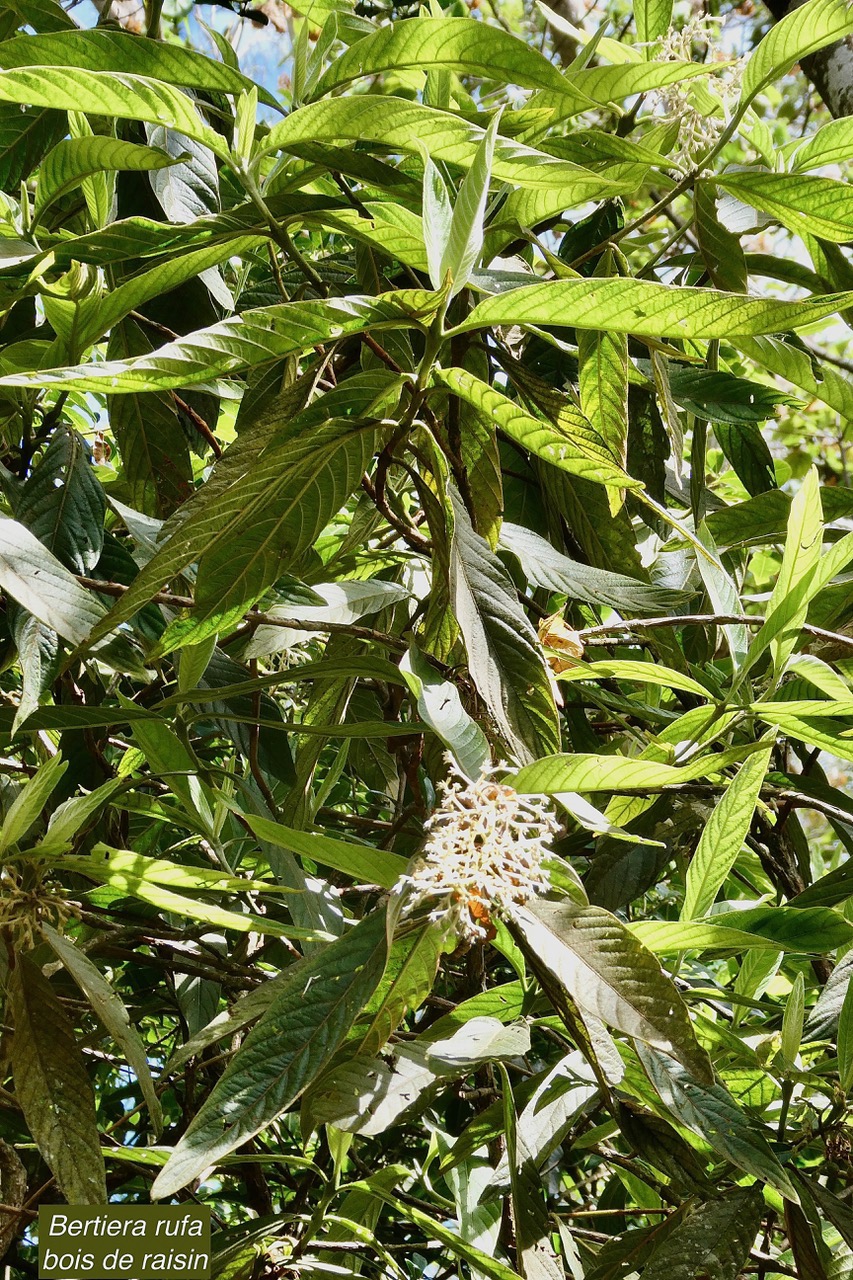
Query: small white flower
484	851
701	108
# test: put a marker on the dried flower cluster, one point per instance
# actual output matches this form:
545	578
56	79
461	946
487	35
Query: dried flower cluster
484	851
23	910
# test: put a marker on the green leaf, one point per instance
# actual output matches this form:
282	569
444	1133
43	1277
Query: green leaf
723	835
834	1209
649	310
746	449
108	1006
440	706
26	809
803	542
38	657
123	54
435	1230
534	1250
114	866
45	588
169	757
69	817
273	524
25	137
408	126
545	566
122	96
586	773
825	734
154	452
463	45
53	1087
712	1242
74	159
610	975
831	144
504	658
63	503
722	397
670	937
606	84
465	237
284	1052
630	669
804	30
579	451
804	204
603	387
259	336
362	863
792	1025
367	1095
134	876
437	217
816	377
653	19
818	929
711	1113
159	279
720	248
845	1040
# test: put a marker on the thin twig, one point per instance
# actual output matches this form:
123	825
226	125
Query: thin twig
407	532
200	425
705	619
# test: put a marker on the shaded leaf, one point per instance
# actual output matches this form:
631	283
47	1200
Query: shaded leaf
108	1006
504	657
610	975
53	1088
283	1053
711	1113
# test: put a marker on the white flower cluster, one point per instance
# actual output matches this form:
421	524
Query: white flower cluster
484	851
699	127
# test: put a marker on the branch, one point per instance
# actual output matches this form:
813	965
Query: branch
705	619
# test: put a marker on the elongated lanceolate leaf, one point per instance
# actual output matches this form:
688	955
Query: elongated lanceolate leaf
802	31
62	502
53	1088
608	973
174	64
409	126
74	159
458	44
28	805
723	835
580	452
711	1113
108	1005
465	236
504	657
361	862
257	337
650	310
125	97
545	566
283	1053
45	588
804	204
712	1242
440	706
586	773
